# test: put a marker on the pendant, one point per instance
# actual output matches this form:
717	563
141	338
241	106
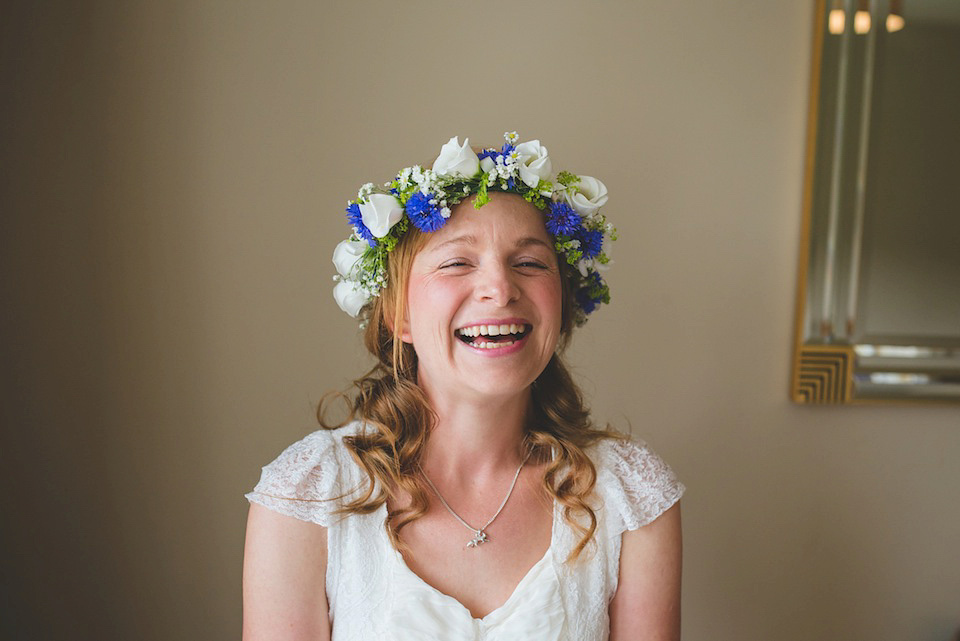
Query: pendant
480	537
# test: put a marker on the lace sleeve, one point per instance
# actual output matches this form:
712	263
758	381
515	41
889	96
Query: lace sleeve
638	486
304	480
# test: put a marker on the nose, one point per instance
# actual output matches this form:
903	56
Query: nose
497	284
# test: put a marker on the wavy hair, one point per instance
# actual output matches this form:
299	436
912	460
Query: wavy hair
388	399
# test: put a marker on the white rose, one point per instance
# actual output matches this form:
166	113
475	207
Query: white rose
487	165
590	197
534	162
350	297
380	213
585	265
456	159
347	254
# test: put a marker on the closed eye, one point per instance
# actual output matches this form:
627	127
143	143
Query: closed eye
534	262
455	262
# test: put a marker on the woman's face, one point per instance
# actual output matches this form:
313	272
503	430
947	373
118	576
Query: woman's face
484	301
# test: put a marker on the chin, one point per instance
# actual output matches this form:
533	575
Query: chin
490	385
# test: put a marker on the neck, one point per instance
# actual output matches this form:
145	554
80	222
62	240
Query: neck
476	439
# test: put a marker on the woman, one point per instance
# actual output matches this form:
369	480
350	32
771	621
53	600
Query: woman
468	496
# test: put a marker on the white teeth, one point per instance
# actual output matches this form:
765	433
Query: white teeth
491	330
483	345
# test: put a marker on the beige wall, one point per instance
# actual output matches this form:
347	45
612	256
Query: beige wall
173	182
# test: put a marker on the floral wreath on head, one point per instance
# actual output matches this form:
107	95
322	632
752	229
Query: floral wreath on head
423	198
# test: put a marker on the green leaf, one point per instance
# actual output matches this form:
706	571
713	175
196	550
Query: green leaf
482	197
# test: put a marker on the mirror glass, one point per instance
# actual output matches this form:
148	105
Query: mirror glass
879	297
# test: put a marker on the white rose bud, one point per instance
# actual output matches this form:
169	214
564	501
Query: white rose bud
380	213
347	254
534	162
487	165
592	195
456	159
350	297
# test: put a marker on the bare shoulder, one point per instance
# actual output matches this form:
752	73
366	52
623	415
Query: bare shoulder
646	605
284	578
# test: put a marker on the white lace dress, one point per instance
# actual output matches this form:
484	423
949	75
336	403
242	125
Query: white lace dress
373	594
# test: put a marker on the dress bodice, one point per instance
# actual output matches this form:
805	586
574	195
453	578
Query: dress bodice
372	594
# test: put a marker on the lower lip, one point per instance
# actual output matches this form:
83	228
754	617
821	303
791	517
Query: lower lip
498	351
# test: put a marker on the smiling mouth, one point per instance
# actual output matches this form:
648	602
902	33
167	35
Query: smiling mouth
493	336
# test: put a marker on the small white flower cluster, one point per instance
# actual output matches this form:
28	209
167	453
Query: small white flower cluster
365	190
424	197
503	169
415	175
527	161
426	183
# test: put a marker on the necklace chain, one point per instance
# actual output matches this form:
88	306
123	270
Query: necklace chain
479	535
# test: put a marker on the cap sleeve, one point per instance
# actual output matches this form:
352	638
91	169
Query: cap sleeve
305	480
637	485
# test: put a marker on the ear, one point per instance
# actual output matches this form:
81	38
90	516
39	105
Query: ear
404	332
390	319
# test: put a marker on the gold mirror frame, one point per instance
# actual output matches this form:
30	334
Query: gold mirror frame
836	360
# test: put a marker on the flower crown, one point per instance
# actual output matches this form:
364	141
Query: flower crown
423	198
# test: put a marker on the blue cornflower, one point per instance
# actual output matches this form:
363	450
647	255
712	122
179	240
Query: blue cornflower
487	153
356	221
591	294
507	148
591	242
424	215
584	301
562	220
511	183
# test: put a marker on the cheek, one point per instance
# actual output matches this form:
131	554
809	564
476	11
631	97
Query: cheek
552	297
547	297
424	297
430	304
417	300
556	302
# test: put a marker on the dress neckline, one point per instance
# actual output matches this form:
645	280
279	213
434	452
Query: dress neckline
517	590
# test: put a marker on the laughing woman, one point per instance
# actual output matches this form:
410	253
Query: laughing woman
469	496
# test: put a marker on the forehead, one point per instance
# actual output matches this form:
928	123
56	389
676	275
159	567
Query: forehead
507	218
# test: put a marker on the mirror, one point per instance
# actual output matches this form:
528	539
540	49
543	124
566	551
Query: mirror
878	300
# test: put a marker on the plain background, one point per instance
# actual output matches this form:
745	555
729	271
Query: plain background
173	182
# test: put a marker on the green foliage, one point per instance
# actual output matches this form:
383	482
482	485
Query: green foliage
482	197
564	247
533	196
566	179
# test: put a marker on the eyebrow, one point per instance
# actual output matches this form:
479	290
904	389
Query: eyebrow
468	239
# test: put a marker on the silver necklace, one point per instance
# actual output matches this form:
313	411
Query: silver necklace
479	535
